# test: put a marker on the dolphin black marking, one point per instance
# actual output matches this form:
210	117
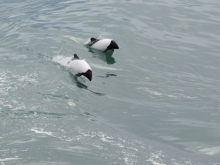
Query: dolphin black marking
93	41
112	46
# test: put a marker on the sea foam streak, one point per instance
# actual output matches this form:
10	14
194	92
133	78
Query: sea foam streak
80	40
8	159
77	40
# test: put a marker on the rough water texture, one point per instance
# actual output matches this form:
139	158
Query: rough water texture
155	101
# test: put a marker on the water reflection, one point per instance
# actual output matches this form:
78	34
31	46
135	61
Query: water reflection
107	75
82	85
104	56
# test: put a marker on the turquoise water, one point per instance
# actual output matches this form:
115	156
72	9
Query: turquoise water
156	101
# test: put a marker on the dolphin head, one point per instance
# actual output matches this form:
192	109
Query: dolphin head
113	45
88	74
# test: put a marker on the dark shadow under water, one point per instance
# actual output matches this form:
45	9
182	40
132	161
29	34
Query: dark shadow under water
83	86
104	56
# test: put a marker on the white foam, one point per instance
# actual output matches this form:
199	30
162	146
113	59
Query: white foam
160	94
156	158
8	159
201	148
71	103
62	60
41	131
150	91
105	138
210	151
74	149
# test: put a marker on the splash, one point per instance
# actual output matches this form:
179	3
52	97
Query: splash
86	42
100	35
62	60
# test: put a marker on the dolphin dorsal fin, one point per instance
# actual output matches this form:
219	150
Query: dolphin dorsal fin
75	56
93	39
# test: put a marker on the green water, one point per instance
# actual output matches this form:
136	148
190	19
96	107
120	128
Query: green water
156	101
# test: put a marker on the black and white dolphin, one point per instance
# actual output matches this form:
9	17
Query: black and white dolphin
102	44
80	67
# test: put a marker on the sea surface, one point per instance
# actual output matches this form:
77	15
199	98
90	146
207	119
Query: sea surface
155	101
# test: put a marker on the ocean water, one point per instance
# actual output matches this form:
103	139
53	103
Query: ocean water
155	101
